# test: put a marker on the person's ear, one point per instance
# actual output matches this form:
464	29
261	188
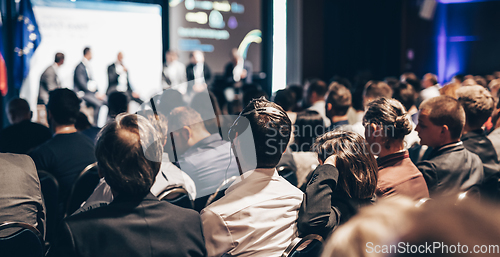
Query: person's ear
445	131
186	133
329	107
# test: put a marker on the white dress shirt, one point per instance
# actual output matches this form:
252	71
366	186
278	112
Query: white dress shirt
256	217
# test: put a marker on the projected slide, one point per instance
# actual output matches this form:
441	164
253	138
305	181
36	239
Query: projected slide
216	27
107	28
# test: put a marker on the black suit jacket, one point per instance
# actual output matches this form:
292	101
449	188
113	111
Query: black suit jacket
190	75
451	169
477	142
81	78
326	206
132	228
113	80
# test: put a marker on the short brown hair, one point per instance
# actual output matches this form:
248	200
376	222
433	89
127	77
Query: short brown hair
356	164
377	89
478	104
340	98
129	152
446	110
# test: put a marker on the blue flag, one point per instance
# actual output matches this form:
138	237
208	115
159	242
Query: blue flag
26	40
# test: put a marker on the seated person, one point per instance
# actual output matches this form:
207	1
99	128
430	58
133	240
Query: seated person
23	135
478	105
450	168
170	176
338	101
386	126
205	157
344	182
257	216
68	152
117	103
20	195
136	223
83	126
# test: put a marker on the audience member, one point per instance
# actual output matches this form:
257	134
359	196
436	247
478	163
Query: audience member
297	91
308	126
478	105
205	157
405	94
338	100
494	136
451	168
20	196
386	126
23	135
136	223
257	216
83	126
207	106
286	99
49	79
315	96
345	181
430	87
117	103
68	152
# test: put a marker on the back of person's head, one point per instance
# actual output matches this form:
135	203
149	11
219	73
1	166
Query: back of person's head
393	82
445	110
117	103
390	116
86	50
206	104
170	99
338	100
297	91
18	110
374	225
63	106
271	130
356	164
308	126
129	152
405	94
82	122
481	81
284	98
59	58
376	89
253	93
317	86
450	89
185	116
478	105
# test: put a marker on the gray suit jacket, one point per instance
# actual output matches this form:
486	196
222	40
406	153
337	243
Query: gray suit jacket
20	195
48	82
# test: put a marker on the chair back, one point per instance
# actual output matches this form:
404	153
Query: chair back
219	193
26	241
288	173
50	192
82	188
177	196
310	246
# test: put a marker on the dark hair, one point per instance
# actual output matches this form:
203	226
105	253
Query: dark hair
405	94
297	91
18	107
284	98
82	122
377	89
340	98
251	94
271	130
308	126
170	99
317	86
86	50
59	57
117	103
63	106
478	105
356	164
129	152
446	110
391	116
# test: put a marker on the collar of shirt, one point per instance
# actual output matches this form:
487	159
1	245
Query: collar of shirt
55	66
390	159
213	140
85	62
252	176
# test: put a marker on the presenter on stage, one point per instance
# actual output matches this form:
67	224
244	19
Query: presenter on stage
85	86
118	80
198	73
49	79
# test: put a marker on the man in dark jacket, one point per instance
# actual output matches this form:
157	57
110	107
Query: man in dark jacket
135	223
450	168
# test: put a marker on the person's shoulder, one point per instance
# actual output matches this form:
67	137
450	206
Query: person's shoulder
17	162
